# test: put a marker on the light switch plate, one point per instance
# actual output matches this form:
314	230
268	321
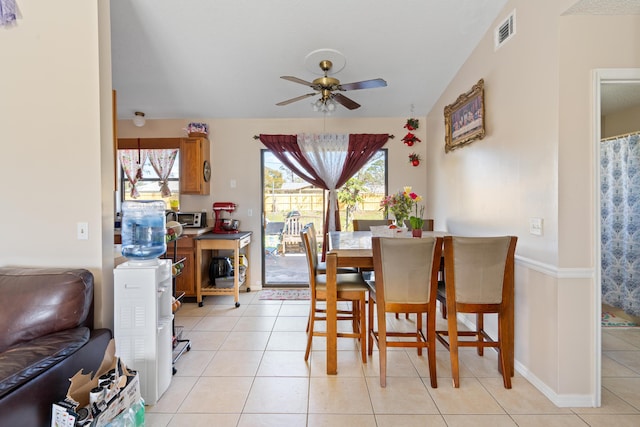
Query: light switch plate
83	231
535	226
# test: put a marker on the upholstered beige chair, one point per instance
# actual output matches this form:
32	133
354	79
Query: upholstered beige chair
479	279
406	281
350	287
364	224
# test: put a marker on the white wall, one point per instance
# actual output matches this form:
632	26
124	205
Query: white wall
536	161
50	131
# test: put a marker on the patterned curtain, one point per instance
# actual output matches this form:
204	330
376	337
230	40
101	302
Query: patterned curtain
8	12
162	162
620	222
132	161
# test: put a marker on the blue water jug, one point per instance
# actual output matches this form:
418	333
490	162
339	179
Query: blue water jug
143	230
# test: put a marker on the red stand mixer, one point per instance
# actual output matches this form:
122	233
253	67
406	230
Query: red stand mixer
224	225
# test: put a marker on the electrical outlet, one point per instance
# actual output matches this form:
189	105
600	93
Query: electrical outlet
83	231
535	226
249	212
233	183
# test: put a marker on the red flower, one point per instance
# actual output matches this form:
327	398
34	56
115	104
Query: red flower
414	159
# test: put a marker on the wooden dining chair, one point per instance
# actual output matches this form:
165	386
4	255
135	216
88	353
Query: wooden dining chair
321	267
406	281
364	224
479	276
350	287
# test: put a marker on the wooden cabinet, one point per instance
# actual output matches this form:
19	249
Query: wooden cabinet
186	281
195	169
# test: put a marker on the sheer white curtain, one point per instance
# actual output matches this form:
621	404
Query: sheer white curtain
8	12
326	153
132	161
162	162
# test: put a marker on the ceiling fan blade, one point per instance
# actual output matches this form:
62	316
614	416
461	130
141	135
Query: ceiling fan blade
297	80
347	102
365	84
298	98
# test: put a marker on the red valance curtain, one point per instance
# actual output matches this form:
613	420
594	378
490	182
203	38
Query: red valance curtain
360	149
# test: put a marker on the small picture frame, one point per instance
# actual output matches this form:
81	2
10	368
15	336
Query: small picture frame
464	119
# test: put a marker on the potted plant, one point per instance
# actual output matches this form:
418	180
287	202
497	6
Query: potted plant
417	222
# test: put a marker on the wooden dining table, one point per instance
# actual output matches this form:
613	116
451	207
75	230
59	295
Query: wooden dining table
347	249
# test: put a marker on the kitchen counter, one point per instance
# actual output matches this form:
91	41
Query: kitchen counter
224	236
185	230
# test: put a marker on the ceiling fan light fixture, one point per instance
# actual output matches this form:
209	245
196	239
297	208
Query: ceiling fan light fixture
138	119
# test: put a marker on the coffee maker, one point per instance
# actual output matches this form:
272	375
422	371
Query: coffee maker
221	224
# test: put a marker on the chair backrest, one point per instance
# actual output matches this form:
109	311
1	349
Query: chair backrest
406	270
311	251
479	268
364	224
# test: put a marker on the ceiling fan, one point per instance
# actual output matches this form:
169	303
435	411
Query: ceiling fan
327	87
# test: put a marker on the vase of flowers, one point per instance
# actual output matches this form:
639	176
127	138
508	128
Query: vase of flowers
400	204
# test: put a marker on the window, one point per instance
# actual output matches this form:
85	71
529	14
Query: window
149	186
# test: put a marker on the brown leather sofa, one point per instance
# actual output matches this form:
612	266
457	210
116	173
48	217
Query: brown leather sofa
46	337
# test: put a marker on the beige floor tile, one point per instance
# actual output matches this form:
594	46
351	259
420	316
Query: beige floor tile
283	364
193	362
246	341
294	310
349	363
272	420
443	365
387	420
612	420
398	365
612	368
177	392
400	396
627	389
246	323
191	309
522	398
478	420
216	323
338	420
610	404
270	310
630	359
629	335
202	340
291	323
470	398
278	395
187	322
227	310
217	395
568	420
612	341
338	395
157	420
204	420
232	363
292	341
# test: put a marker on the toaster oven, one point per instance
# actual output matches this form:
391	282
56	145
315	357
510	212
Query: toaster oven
191	219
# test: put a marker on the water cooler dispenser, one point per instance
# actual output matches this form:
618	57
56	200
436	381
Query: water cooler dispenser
142	299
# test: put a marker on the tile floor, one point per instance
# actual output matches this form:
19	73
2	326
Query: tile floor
246	368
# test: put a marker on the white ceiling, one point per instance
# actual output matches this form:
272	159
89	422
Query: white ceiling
224	58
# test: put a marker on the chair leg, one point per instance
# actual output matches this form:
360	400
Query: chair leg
431	349
312	315
453	348
418	329
503	356
370	327
382	347
479	331
363	329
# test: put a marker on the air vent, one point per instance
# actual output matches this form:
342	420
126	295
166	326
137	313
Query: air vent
506	30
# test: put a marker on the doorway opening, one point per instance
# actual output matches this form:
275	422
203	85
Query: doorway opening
289	203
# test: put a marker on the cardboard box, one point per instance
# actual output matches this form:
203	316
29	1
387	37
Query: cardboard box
123	394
